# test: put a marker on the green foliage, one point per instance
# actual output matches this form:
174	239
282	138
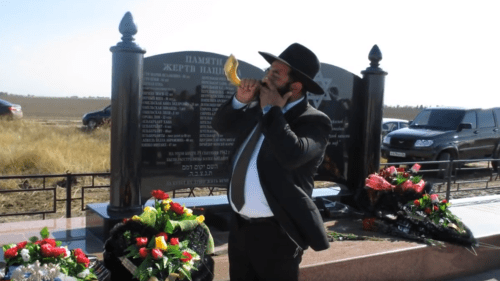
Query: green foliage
44	233
416	179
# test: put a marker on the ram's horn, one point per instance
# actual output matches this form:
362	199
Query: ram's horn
230	69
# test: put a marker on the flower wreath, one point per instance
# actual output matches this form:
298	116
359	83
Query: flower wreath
46	259
165	241
399	198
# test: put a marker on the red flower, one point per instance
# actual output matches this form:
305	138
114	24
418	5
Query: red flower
83	259
141	241
125	220
78	252
436	208
38	242
416	202
49	241
157	254
177	208
187	257
406	175
46	250
143	252
165	236
434	198
444	201
428	211
159	194
57	252
400	170
174	241
10	253
21	245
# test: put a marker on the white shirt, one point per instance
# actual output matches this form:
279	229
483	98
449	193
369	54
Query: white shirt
256	205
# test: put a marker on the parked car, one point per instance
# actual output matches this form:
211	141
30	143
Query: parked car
446	133
96	118
10	111
392	124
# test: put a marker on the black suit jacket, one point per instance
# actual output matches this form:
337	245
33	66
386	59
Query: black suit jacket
292	151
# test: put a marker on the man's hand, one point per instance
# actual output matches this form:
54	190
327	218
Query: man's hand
269	95
247	91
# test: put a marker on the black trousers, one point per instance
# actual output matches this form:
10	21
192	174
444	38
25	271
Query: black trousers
261	250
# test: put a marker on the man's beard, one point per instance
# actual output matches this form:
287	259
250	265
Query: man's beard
284	89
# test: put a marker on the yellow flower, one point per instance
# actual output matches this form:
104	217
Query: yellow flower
166	207
136	218
188	212
200	219
160	243
148	209
166	201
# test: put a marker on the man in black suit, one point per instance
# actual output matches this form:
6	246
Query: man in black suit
280	142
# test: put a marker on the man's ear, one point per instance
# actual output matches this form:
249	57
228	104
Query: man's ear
296	88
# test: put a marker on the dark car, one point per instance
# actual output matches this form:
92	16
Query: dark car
10	111
446	133
97	118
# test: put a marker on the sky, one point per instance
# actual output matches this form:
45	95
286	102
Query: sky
435	52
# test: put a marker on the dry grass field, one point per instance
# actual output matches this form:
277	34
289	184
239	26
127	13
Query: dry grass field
44	108
35	145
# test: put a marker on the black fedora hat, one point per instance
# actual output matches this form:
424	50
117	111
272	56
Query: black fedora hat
303	62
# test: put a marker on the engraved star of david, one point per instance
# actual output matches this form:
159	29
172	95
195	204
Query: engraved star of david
324	82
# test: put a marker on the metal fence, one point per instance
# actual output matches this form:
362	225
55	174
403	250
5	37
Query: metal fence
68	180
450	172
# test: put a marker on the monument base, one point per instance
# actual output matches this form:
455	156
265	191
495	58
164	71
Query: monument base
99	220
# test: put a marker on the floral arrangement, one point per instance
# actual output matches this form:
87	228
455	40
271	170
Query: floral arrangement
437	211
392	179
165	254
49	253
399	200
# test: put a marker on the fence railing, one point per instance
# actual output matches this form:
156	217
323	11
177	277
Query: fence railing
68	182
453	172
448	170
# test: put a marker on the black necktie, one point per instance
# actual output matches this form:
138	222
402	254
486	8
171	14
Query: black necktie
240	170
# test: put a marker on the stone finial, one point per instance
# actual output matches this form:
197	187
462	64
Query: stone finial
375	56
127	27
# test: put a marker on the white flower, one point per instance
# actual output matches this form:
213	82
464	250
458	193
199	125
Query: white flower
83	274
68	252
188	212
25	253
187	266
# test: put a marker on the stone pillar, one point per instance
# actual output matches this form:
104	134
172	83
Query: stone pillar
373	101
126	96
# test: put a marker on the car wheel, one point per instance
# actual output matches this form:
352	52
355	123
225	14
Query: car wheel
443	167
92	124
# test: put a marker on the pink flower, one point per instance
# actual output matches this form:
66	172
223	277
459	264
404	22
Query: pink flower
444	201
419	187
434	198
415	168
407	185
391	171
57	252
436	208
377	182
52	242
428	211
